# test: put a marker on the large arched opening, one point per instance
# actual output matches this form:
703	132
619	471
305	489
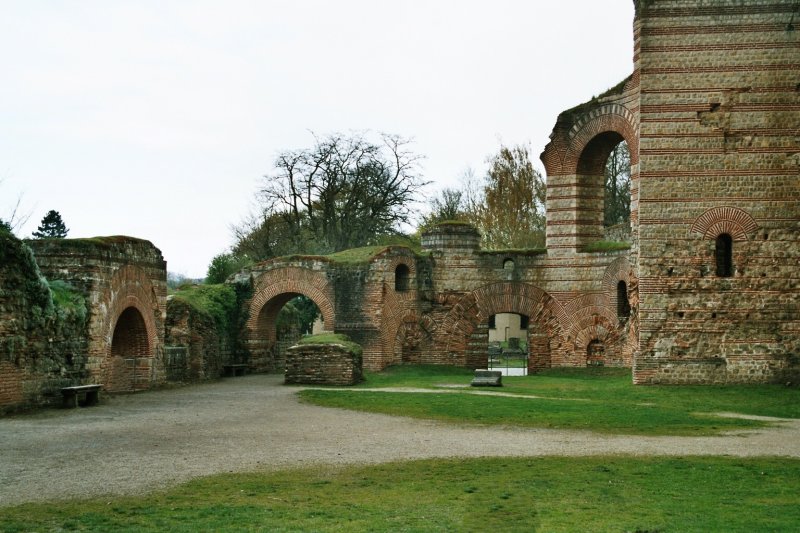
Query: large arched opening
280	323
131	353
467	327
603	201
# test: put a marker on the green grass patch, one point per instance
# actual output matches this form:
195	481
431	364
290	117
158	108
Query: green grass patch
67	298
606	246
332	338
600	494
217	301
356	255
596	399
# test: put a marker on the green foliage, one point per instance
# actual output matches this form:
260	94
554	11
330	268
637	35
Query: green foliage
17	259
597	399
51	227
553	494
224	265
333	338
299	312
606	246
5	227
217	302
68	299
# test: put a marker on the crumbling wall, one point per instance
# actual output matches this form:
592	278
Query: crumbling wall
42	342
124	280
328	363
203	319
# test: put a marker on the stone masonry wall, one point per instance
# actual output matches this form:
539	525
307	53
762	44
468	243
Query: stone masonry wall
125	282
322	364
207	348
719	154
42	345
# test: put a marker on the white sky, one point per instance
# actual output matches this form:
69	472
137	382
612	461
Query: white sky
158	119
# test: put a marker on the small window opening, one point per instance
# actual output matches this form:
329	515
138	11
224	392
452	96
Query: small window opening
401	275
595	352
508	264
492	322
524	321
724	255
623	305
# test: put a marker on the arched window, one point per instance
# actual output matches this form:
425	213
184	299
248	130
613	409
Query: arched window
623	305
723	253
401	275
595	353
508	264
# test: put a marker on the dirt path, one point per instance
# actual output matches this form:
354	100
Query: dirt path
135	443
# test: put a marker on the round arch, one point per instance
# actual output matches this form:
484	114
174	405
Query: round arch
131	316
273	289
463	324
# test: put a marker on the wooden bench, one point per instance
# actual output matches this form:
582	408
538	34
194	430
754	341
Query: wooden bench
487	378
237	369
90	393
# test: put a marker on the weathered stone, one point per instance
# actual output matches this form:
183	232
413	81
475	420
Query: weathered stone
323	364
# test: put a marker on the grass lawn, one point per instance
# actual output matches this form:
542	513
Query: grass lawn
597	399
540	494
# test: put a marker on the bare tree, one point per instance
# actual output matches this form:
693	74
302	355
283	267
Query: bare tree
618	186
343	192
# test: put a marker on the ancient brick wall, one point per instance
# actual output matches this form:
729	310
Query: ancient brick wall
42	345
434	307
322	364
124	280
207	347
719	156
707	291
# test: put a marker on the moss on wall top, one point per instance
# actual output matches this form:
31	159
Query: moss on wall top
19	271
102	247
570	114
217	302
333	338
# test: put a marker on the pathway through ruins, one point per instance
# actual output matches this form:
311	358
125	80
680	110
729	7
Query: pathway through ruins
135	443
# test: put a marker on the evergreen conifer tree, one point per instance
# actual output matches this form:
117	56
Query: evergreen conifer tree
52	227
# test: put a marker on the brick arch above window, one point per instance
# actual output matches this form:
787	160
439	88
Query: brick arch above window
734	221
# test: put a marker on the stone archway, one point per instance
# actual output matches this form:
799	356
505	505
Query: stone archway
273	289
132	332
575	161
128	366
465	327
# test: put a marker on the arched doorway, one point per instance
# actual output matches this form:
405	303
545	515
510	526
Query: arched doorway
131	356
280	323
509	343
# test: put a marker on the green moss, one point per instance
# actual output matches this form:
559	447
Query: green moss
579	109
607	246
356	255
333	338
67	298
215	301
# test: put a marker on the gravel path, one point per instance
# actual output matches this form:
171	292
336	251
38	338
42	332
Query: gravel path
135	443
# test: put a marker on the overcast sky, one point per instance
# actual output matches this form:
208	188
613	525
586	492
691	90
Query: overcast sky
157	119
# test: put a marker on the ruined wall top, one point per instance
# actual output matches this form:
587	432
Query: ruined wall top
118	248
451	236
